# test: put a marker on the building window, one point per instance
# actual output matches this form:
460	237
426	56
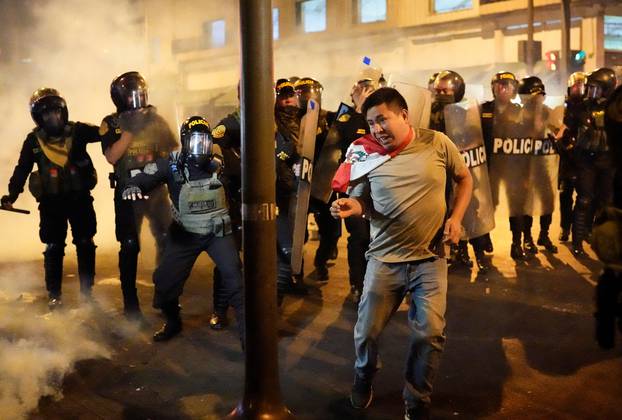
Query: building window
613	32
216	32
442	6
371	10
311	15
275	23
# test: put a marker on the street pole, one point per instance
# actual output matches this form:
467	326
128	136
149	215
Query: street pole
565	50
262	392
530	62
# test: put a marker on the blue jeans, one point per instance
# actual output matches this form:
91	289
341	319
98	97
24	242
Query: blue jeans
385	287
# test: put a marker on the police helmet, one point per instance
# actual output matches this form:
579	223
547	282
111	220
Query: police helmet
600	83
531	85
576	84
129	91
284	88
196	139
307	88
453	81
44	100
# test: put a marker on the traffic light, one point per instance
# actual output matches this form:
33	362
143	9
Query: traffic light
552	60
577	61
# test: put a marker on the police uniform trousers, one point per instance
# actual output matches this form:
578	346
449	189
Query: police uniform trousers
129	217
55	211
180	253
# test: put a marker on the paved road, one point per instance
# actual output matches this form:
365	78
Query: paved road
520	345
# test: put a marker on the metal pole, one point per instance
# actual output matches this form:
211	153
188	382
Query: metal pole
262	393
565	50
530	62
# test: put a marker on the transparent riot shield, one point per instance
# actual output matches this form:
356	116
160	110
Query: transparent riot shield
509	163
419	102
463	127
540	123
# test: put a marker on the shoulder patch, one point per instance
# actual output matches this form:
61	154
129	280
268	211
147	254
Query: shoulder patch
219	131
486	114
103	129
361	131
319	131
344	118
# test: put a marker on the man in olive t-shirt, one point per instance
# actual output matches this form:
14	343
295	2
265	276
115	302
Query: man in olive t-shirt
404	198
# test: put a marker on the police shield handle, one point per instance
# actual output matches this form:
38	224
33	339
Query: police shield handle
308	131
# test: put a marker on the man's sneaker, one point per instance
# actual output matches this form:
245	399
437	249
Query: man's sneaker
217	322
417	413
362	393
54	303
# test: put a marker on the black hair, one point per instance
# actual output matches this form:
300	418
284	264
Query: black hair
385	95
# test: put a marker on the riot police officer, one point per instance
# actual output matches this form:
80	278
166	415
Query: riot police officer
201	222
592	154
132	137
500	119
62	187
567	166
227	135
535	124
329	228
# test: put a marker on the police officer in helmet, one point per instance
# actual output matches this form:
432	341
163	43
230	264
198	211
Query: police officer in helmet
62	183
132	137
201	222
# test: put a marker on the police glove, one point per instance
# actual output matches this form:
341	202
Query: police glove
133	193
6	201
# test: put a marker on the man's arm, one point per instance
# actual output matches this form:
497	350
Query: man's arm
116	150
464	188
347	207
21	171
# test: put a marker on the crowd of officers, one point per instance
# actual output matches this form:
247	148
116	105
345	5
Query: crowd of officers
191	196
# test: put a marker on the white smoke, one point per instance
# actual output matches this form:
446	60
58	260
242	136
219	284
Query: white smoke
38	348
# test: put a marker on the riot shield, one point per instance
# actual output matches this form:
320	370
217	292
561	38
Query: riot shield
328	160
463	127
419	102
308	131
509	160
540	123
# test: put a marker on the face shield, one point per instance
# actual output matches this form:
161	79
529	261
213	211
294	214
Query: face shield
199	144
306	92
137	99
593	91
504	90
52	119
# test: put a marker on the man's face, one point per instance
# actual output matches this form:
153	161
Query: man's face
388	125
286	100
53	120
503	92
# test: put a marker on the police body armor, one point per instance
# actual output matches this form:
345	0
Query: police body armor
463	127
60	169
202	205
540	124
591	134
153	139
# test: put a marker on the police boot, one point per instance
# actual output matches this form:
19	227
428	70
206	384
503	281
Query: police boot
528	245
218	321
128	261
564	235
53	265
482	263
85	248
172	326
463	254
488	243
605	315
545	241
516	251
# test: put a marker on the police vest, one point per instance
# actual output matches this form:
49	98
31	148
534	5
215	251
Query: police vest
591	134
202	207
59	170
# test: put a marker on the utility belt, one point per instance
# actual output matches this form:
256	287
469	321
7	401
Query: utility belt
199	225
53	180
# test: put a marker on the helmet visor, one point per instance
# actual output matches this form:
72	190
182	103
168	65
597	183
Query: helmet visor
137	99
199	144
593	91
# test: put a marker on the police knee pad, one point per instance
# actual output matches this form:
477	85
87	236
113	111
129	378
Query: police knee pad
130	246
54	248
85	243
583	202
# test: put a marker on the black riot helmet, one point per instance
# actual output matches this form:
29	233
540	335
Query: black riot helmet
307	88
284	88
448	87
600	83
49	111
196	140
129	91
531	85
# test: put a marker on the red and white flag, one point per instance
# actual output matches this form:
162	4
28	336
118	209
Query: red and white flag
363	156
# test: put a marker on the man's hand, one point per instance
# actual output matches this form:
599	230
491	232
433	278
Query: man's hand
452	232
359	93
6	202
133	193
345	207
